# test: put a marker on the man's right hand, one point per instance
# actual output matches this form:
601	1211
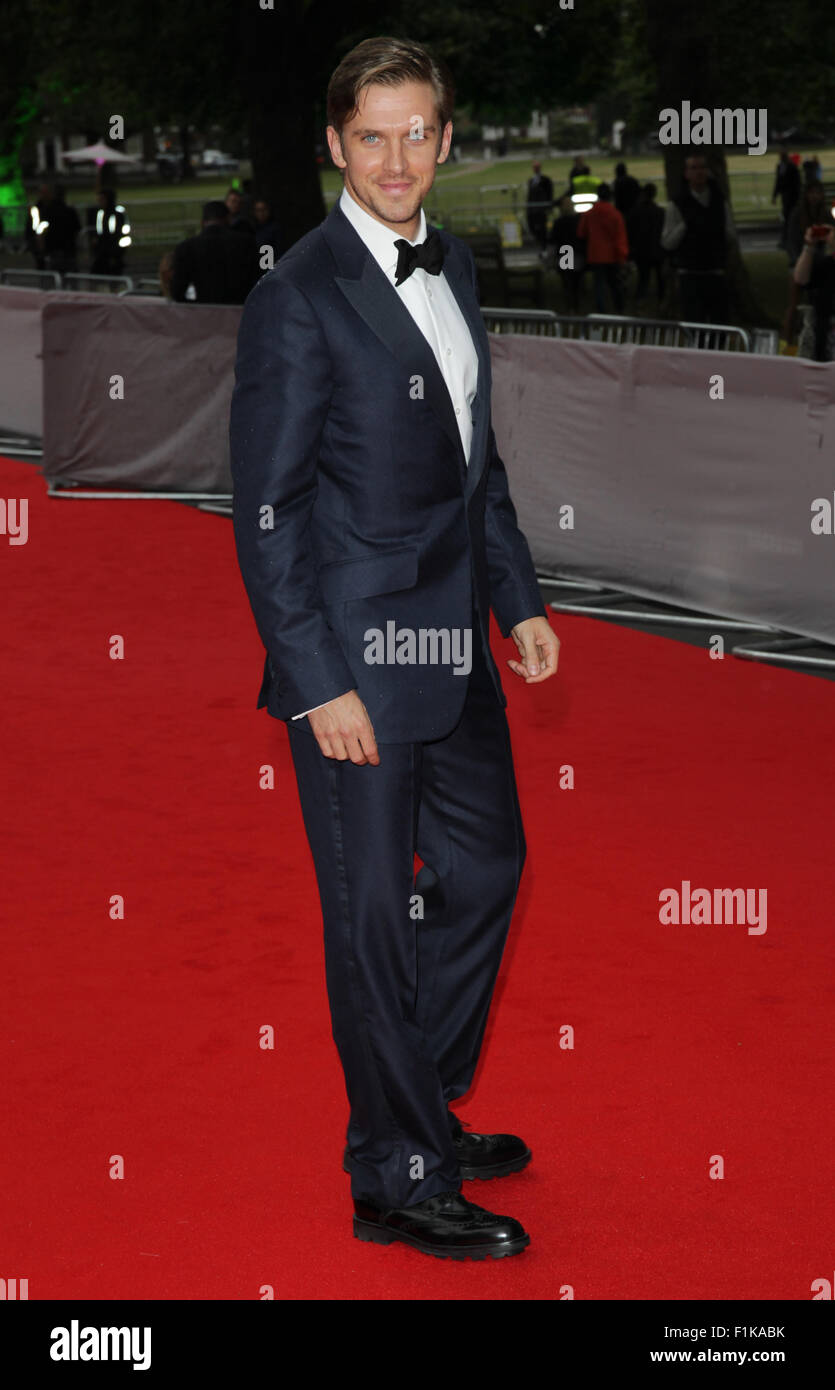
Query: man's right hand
343	730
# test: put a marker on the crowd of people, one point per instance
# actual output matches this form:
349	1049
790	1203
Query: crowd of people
624	225
53	230
238	242
219	265
687	243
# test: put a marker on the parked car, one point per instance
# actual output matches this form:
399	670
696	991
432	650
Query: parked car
798	135
216	159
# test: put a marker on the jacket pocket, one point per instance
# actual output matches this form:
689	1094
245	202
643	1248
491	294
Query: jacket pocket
368	575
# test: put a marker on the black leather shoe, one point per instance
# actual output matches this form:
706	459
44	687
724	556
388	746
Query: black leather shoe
489	1155
481	1155
447	1226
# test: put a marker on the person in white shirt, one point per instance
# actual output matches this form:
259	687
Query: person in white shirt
698	229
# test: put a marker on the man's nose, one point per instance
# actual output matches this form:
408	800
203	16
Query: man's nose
395	161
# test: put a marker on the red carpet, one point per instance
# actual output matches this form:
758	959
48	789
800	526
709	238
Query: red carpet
140	1037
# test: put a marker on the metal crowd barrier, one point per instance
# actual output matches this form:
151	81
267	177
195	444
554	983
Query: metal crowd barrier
147	286
606	328
765	341
51	280
616	328
31	279
719	337
100	284
540	322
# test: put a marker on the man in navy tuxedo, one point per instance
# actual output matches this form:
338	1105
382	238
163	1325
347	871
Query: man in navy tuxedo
374	532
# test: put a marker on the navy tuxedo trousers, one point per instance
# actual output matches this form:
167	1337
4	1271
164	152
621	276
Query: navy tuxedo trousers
409	997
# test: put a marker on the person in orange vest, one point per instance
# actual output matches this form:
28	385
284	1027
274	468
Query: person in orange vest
607	248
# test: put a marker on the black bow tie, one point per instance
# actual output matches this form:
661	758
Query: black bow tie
429	255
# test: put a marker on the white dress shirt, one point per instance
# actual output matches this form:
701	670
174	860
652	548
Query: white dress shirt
435	310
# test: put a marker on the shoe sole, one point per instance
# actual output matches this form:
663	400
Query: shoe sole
498	1170
383	1235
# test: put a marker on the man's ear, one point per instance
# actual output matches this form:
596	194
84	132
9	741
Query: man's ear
337	140
442	155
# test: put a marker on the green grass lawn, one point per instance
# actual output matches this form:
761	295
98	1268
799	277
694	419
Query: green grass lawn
751	180
462	193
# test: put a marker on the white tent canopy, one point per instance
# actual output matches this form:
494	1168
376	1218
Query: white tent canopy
99	154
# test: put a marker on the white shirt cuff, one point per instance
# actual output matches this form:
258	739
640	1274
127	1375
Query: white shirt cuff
309	711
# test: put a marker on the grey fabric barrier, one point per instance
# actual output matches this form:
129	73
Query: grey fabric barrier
21	353
21	378
170	432
706	503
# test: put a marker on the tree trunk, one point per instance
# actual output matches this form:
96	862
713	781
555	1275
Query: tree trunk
282	131
106	176
187	167
680	40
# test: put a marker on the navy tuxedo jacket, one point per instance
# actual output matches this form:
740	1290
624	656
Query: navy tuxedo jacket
354	506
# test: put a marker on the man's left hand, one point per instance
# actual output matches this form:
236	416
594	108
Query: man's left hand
539	649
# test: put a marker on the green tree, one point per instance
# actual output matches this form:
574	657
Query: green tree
18	102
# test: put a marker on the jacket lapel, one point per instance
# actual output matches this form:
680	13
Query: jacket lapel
457	272
369	291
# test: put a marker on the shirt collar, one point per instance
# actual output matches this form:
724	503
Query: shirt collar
378	238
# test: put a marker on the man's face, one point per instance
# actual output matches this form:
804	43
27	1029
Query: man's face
261	212
233	203
389	150
695	172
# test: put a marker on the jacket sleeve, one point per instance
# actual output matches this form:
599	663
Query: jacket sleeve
277	417
514	591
